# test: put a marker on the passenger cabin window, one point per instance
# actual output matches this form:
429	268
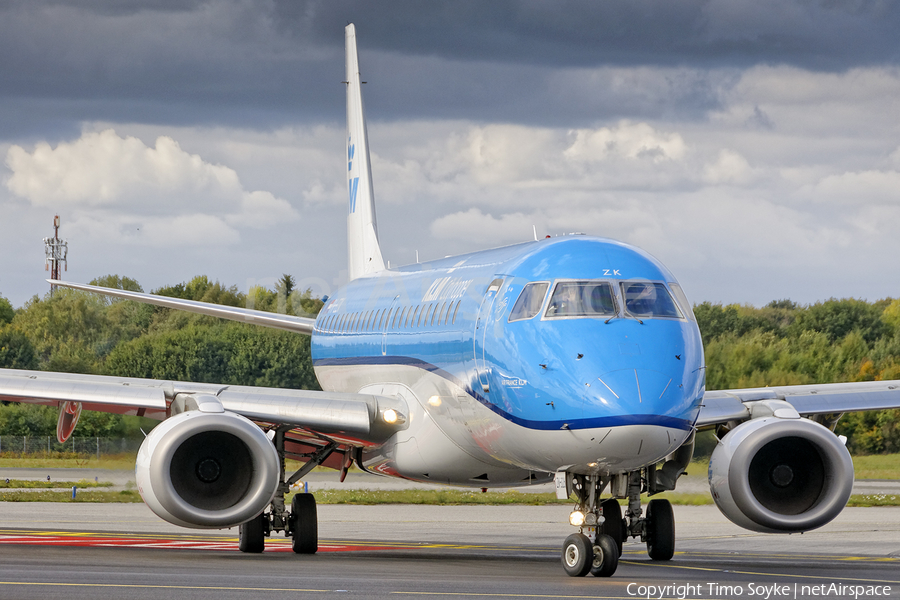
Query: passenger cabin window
530	301
582	299
647	299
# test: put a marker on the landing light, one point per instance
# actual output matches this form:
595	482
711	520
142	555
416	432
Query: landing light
392	417
435	401
576	518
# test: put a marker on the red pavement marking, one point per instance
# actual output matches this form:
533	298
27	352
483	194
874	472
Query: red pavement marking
137	542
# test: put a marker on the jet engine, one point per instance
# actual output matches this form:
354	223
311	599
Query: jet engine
207	469
780	475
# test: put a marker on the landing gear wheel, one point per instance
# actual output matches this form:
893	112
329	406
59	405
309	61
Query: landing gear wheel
606	557
577	555
304	524
252	535
660	530
614	524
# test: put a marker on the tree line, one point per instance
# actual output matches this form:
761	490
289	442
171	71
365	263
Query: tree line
782	343
77	332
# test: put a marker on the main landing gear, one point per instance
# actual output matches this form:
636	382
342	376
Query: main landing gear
596	548
301	523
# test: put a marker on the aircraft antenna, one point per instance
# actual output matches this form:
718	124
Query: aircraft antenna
55	252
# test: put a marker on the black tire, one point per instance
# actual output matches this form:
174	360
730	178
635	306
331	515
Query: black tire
660	530
614	523
304	524
577	555
252	535
606	557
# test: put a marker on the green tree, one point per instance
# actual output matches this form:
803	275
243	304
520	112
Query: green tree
6	311
837	318
16	351
200	288
233	353
27	419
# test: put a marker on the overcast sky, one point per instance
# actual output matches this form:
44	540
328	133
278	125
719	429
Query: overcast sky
753	146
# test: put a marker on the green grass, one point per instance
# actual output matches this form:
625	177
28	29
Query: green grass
103	496
399	497
885	466
877	466
874	500
116	462
38	484
113	462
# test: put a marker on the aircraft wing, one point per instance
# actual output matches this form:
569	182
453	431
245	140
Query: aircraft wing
349	419
721	406
234	313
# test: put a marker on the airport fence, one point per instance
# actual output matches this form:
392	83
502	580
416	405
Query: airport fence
77	447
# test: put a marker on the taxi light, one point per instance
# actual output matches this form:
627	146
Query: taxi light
576	518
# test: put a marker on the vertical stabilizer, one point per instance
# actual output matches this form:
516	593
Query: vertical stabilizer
364	251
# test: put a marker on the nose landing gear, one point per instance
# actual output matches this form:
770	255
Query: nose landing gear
596	548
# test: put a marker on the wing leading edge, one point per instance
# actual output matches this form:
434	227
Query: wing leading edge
351	419
721	406
245	315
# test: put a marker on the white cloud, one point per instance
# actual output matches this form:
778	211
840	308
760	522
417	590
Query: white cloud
626	140
787	189
103	169
729	167
121	181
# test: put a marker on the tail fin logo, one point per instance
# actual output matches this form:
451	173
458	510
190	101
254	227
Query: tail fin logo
354	181
354	186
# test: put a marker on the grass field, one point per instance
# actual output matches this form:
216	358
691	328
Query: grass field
876	466
885	466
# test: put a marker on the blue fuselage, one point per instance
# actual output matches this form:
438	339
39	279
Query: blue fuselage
496	383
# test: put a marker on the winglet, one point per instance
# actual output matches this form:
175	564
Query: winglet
364	251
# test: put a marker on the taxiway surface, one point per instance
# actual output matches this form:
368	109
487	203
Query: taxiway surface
390	551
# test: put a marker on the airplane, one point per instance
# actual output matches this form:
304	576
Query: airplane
575	360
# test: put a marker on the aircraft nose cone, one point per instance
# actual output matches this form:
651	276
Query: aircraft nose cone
642	390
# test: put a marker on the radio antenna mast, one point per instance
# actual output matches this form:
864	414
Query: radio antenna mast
55	252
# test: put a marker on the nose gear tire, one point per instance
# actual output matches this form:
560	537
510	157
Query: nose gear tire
577	555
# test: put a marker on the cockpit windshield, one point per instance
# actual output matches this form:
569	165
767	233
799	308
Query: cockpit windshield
582	299
648	299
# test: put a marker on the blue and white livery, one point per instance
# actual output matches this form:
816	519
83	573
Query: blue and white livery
574	359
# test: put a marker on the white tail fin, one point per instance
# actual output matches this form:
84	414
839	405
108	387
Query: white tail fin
363	249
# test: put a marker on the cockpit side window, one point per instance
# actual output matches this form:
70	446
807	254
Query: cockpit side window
683	302
530	301
649	299
582	299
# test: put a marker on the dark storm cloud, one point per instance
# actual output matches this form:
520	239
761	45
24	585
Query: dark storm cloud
260	64
825	34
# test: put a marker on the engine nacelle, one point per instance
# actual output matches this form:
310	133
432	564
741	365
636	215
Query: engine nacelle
207	470
777	475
